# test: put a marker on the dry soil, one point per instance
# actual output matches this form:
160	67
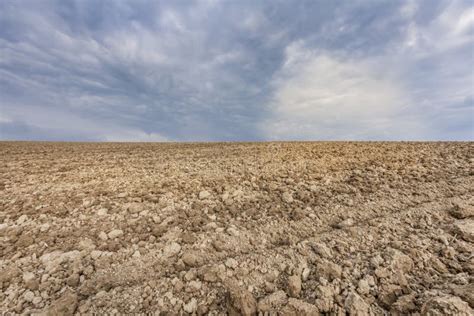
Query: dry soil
237	228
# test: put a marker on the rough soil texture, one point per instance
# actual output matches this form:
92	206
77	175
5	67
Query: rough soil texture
242	228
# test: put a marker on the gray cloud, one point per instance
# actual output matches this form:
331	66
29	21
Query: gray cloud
209	70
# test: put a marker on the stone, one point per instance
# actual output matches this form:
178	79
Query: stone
103	236
29	296
363	287
102	212
192	259
31	282
241	302
446	305
204	195
231	263
345	223
95	254
44	227
400	261
305	274
134	208
86	244
462	210
171	249
294	285
66	305
287	197
465	229
355	305
321	250
328	270
272	302
325	297
23	218
296	307
191	306
404	305
115	233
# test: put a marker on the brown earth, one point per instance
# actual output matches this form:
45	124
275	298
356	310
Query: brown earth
237	228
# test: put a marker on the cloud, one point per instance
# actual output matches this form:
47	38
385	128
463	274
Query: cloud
320	96
210	70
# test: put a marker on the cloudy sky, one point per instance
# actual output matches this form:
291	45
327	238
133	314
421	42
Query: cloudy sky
236	70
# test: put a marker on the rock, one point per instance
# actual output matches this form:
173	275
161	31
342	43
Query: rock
241	302
66	305
465	229
287	197
171	249
325	297
404	305
363	287
465	292
134	208
446	305
400	261
462	210
328	270
231	263
272	302
86	244
204	195
355	305
53	260
73	280
103	236
23	218
192	259
28	296
294	285
194	286
102	212
95	254
321	250
345	223
233	231
31	282
44	227
191	306
305	274
296	307
115	233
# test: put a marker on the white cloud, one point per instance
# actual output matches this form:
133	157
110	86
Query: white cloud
320	96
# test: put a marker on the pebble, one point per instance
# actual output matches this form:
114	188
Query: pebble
191	306
103	236
287	197
29	296
204	195
345	223
102	212
294	285
115	233
231	263
171	249
22	219
44	227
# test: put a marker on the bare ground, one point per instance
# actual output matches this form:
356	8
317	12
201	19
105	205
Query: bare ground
241	228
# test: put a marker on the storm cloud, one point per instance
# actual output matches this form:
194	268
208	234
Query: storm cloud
236	70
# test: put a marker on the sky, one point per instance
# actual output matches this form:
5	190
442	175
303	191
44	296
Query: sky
236	70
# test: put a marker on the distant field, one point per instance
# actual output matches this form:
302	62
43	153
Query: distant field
298	228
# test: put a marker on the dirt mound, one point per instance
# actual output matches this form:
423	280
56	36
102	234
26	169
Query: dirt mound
242	228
